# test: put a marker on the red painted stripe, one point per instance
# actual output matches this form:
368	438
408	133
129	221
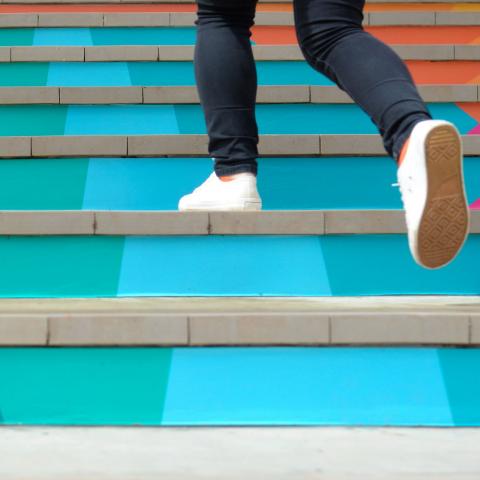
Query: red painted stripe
285	35
461	72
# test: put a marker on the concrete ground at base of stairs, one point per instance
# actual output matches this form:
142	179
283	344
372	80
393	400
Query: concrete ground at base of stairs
136	453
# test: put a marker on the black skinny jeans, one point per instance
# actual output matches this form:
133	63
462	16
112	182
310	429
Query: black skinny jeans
333	42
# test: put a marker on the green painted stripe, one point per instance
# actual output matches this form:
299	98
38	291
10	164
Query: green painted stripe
28	74
83	386
16	37
46	184
60	266
31	120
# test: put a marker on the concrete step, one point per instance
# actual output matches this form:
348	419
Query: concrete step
225	386
133	184
273	453
387	321
151	53
184	145
181	74
178	19
266	94
121	2
261	35
160	223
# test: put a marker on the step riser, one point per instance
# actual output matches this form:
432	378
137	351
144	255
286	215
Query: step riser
254	386
243	265
266	37
181	74
157	184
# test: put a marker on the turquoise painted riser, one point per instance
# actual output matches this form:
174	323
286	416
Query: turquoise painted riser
227	265
314	119
293	183
240	386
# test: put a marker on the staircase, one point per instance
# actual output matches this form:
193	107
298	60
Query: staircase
118	310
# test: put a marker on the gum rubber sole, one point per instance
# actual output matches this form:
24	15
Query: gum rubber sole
444	224
244	207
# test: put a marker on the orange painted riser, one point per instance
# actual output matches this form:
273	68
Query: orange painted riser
285	35
274	7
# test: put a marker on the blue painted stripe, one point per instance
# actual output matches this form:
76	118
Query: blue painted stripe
215	265
62	36
240	386
306	386
290	266
124	119
171	73
88	74
287	183
272	119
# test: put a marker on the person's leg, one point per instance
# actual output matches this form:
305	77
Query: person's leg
333	41
429	152
226	80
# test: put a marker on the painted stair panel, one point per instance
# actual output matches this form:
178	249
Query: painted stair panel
58	120
171	73
295	183
261	35
218	265
253	386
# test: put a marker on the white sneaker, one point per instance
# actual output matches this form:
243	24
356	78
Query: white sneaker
238	194
433	193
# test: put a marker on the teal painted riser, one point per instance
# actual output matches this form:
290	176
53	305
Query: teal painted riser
227	265
291	183
189	119
97	36
143	73
240	386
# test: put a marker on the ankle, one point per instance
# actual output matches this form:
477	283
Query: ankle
403	151
233	176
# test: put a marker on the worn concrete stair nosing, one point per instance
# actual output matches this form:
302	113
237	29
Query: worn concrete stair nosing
276	94
196	145
165	222
168	321
60	2
152	53
180	19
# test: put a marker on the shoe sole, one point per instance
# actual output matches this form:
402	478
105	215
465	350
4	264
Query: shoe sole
444	225
244	207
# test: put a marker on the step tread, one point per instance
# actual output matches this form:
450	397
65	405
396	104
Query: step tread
195	321
273	222
124	306
276	94
167	53
273	453
196	144
181	19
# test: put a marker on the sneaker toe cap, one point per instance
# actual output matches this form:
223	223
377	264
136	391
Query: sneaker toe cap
184	202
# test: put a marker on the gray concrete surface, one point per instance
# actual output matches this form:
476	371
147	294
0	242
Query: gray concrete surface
239	453
189	305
